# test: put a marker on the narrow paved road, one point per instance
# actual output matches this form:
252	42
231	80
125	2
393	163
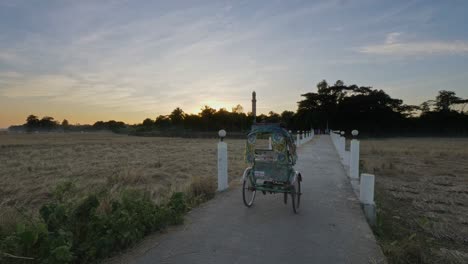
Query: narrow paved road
330	227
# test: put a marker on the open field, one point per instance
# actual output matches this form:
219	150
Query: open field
422	197
33	164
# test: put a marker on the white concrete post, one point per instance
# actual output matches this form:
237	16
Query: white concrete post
366	189
342	146
222	162
354	159
298	138
269	143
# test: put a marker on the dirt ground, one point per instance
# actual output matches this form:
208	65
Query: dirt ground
422	197
32	164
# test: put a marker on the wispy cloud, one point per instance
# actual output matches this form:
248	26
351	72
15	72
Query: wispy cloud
392	46
151	56
392	37
155	63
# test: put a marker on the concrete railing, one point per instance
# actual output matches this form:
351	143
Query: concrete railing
364	185
303	137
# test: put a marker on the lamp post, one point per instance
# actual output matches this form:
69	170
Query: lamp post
354	160
222	161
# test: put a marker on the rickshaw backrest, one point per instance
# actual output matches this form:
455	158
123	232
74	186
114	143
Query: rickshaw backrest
271	171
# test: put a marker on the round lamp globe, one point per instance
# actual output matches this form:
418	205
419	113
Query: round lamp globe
222	133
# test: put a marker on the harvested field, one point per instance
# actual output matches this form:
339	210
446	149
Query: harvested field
422	197
33	164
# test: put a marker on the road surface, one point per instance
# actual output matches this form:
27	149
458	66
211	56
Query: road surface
330	228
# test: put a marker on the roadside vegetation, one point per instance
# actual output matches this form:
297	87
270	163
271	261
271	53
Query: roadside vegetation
72	228
421	197
79	198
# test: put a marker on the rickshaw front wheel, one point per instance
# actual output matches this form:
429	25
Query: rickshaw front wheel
296	195
248	193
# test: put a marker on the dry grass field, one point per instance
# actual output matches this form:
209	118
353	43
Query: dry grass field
31	165
422	197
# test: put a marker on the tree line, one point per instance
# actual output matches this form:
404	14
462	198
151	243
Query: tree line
337	106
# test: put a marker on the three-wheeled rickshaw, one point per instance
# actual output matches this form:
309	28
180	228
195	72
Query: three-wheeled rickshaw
271	168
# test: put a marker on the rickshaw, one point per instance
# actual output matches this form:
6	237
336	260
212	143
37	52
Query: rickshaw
271	169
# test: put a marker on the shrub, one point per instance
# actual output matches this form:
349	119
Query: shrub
84	230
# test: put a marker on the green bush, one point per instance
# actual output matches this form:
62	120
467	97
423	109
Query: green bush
82	231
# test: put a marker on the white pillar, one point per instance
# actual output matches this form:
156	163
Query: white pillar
354	159
222	166
298	138
366	189
269	143
342	146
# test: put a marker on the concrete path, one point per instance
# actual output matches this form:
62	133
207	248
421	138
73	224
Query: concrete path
330	227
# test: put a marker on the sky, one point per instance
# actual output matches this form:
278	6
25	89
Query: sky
128	60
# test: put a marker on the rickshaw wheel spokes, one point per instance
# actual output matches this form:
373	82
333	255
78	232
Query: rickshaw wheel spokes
248	193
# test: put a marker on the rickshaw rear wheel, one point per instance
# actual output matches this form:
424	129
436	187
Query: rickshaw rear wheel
296	195
246	190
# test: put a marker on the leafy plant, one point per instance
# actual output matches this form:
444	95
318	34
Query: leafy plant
71	230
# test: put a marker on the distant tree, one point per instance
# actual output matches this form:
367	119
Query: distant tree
445	99
238	109
32	123
65	125
148	123
177	116
162	121
425	107
112	125
273	117
207	112
287	118
48	123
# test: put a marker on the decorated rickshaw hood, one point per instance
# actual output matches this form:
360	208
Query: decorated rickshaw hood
282	141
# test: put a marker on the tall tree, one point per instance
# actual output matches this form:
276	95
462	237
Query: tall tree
445	99
32	123
177	116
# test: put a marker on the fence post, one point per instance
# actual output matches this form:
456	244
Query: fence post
298	140
342	144
269	143
222	162
366	197
354	159
366	189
